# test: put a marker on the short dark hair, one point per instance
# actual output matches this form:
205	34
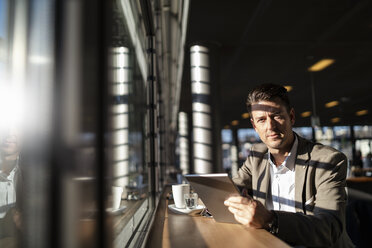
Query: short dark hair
268	92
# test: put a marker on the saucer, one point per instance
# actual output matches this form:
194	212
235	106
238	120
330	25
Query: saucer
176	210
116	211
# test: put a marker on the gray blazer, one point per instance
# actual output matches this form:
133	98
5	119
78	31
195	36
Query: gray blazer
320	197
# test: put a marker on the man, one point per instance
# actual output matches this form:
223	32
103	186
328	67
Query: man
298	187
10	184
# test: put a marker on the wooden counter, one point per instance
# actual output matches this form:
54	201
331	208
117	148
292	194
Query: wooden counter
178	230
359	179
363	184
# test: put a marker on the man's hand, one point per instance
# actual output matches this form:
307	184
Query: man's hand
248	211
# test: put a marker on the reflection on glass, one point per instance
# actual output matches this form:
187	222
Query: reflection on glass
363	131
305	132
10	185
324	134
126	115
3	38
126	125
364	146
226	135
248	135
120	71
342	131
11	172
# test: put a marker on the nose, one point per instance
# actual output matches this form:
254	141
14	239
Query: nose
271	124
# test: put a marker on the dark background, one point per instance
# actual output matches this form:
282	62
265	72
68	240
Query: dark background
254	42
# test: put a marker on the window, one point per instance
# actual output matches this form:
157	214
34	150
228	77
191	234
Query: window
305	132
81	129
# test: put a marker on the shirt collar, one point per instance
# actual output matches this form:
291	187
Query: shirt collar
9	177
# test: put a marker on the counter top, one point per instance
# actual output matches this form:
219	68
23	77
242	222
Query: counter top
179	230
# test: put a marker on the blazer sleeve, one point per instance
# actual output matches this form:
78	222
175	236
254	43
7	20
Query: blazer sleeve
244	175
324	225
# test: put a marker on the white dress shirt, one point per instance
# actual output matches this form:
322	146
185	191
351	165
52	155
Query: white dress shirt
282	180
7	191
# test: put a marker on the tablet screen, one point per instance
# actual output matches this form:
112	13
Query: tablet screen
213	190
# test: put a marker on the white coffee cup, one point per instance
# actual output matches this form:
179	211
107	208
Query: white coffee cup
116	197
179	191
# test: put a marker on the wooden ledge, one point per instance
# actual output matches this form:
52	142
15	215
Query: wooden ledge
178	231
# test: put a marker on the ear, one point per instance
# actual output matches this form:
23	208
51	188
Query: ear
292	116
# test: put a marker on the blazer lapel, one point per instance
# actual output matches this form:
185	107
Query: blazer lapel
302	163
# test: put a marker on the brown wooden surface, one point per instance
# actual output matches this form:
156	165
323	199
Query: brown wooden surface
359	179
179	230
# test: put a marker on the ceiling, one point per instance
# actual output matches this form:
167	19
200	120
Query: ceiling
254	42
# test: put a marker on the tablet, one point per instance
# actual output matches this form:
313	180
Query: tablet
213	190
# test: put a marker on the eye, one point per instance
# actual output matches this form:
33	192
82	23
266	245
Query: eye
278	117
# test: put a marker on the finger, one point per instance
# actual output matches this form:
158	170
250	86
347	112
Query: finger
233	205
241	219
236	199
243	208
232	196
233	210
240	212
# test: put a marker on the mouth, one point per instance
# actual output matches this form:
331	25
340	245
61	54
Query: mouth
273	136
7	144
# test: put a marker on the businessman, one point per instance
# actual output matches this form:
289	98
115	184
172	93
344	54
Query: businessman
296	188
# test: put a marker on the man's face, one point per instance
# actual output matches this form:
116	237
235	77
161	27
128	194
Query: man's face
273	124
9	144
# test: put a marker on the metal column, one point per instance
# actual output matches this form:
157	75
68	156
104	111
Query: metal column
183	142
120	72
202	124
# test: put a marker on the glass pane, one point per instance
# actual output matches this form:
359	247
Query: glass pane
248	135
226	156
324	135
3	37
26	66
343	145
342	131
364	146
305	132
226	136
363	131
127	123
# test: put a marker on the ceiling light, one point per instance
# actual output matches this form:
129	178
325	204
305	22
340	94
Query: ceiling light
245	115
288	88
335	120
235	122
331	104
321	65
305	114
361	112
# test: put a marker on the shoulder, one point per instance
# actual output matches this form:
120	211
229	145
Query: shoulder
326	153
318	151
323	156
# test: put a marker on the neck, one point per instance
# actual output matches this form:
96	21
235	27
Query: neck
278	159
8	163
279	155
